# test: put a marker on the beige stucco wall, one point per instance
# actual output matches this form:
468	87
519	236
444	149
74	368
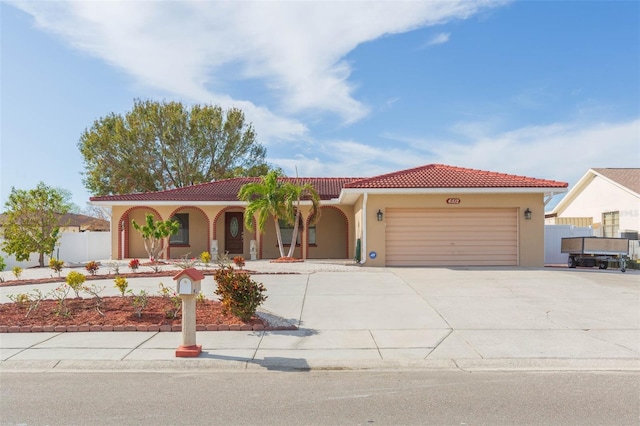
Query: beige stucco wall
270	243
334	231
198	238
136	244
531	232
332	235
601	196
331	232
331	227
199	221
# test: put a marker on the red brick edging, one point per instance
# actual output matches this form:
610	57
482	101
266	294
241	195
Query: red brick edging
85	328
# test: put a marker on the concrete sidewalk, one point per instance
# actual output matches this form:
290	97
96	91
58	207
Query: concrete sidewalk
356	318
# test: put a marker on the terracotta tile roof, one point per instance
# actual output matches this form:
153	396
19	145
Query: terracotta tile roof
430	176
443	176
629	178
227	190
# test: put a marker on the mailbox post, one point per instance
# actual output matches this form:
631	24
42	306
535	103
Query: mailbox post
188	286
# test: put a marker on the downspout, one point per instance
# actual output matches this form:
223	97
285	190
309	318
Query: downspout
364	229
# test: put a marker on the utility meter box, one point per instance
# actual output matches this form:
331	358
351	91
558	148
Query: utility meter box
189	281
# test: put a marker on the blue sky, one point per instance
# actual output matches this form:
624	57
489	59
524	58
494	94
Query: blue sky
543	89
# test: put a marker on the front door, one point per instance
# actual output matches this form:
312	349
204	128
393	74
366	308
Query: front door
233	232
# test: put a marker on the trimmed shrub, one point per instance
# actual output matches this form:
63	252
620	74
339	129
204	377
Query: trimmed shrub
56	265
134	264
205	257
75	280
17	271
239	294
92	267
121	284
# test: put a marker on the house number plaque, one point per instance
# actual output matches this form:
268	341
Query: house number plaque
453	200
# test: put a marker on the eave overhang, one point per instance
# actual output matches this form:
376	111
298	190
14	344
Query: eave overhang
350	195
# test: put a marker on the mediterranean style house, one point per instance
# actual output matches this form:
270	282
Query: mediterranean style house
433	215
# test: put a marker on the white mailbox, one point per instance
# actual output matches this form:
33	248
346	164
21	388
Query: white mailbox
189	281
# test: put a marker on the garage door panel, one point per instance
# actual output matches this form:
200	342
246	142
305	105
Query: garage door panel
432	243
443	237
438	237
434	251
455	262
444	221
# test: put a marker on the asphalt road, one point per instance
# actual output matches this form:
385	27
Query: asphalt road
320	398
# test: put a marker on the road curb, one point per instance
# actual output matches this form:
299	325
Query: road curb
301	364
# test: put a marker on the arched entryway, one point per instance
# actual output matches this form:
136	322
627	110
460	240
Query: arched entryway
130	242
230	233
193	237
329	238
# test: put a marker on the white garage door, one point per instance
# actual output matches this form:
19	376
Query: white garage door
449	237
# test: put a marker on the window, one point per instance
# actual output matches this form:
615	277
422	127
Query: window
286	230
182	237
610	224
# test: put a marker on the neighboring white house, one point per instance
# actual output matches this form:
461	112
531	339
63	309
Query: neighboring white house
608	197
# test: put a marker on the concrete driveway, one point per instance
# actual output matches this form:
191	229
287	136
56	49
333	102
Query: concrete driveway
469	318
471	313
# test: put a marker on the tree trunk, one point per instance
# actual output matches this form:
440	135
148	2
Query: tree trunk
164	245
148	247
41	260
279	235
294	237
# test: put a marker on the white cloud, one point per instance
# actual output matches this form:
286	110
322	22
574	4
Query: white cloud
439	39
561	151
341	158
296	49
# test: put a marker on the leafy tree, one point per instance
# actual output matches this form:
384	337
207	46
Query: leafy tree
155	234
67	198
32	221
164	145
272	197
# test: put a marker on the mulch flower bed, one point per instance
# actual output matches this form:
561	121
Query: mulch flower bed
286	259
118	314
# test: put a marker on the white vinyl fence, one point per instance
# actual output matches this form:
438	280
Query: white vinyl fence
634	250
553	235
73	247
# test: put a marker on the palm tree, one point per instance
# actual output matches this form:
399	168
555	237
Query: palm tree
266	198
295	193
280	200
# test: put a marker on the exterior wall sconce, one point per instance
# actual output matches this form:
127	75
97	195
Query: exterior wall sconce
380	215
527	214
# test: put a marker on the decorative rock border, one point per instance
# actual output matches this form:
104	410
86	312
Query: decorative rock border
153	328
